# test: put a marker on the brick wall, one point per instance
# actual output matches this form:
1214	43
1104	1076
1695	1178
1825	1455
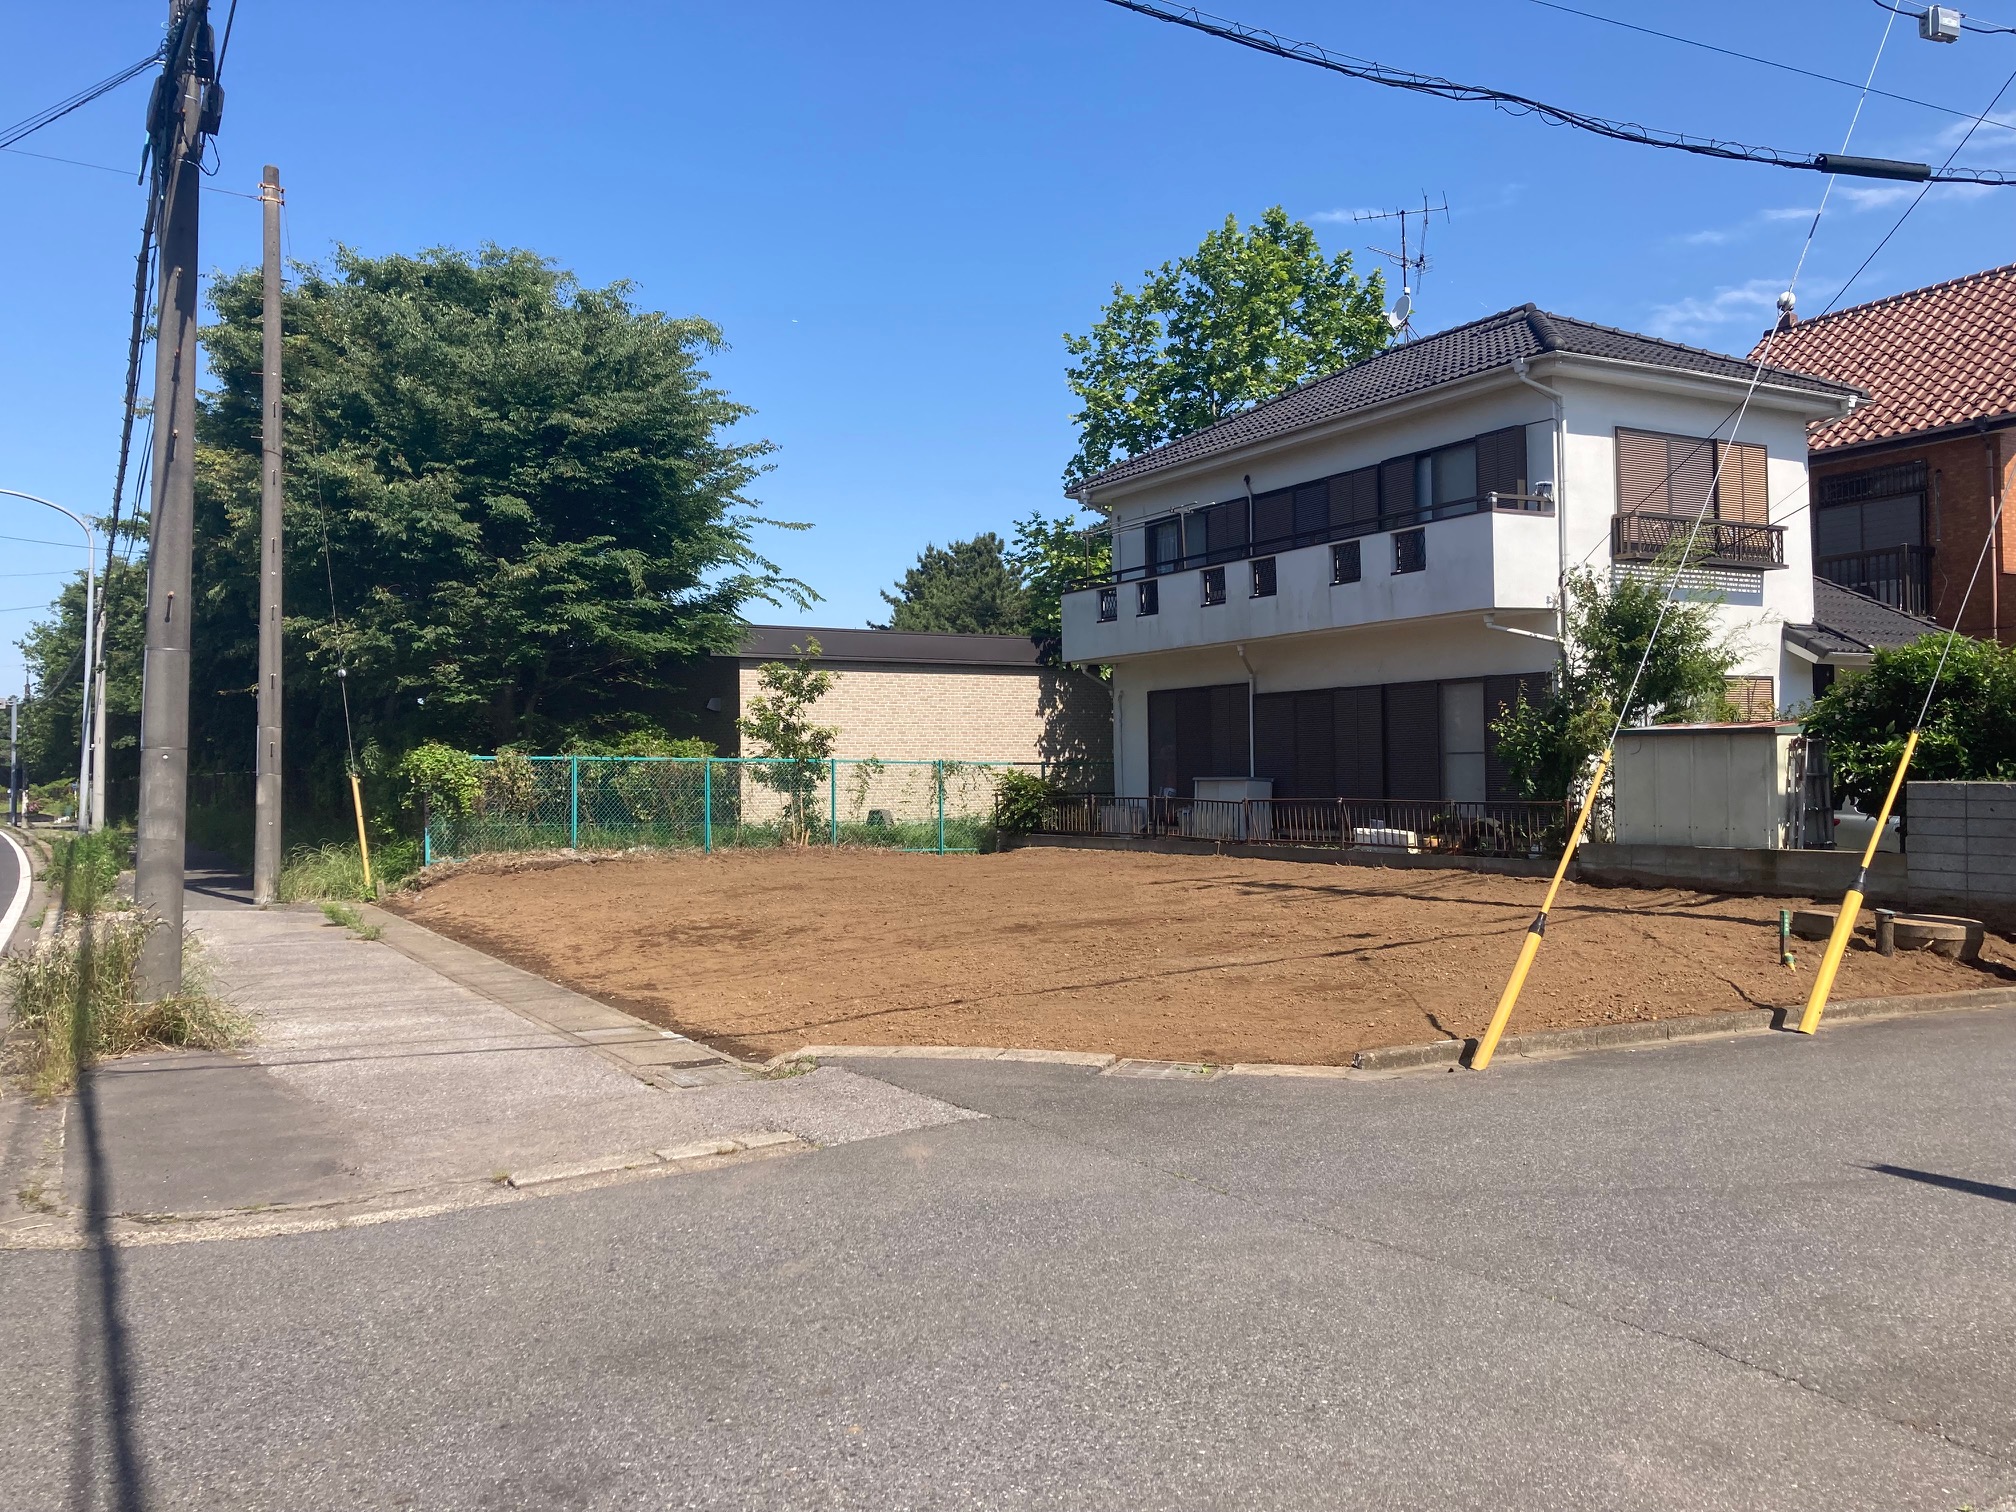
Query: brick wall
1960	842
1959	503
923	713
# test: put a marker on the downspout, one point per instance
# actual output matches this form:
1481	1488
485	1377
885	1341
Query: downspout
1992	451
1520	370
1252	691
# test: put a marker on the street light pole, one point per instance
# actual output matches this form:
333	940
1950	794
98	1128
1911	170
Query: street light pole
87	820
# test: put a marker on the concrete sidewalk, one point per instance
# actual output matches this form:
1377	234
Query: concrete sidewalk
411	1064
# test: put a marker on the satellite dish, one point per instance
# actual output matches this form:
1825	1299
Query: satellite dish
1403	309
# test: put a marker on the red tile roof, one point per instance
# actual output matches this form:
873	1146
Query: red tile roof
1933	357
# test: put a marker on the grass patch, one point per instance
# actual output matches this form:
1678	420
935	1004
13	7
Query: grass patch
76	1001
335	870
84	869
343	915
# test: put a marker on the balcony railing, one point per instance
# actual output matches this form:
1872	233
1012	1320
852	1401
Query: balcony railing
1508	829
1643	537
1500	503
1900	576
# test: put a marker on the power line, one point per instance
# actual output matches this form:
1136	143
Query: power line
1916	199
1967	23
35	541
108	168
29	125
1371	72
1730	52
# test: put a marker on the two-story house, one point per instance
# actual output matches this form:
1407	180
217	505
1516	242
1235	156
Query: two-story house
1338	589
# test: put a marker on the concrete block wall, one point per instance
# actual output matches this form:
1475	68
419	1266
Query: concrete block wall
1960	842
920	713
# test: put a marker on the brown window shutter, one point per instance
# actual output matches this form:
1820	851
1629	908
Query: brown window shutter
1754	697
1745	491
1312	510
1501	461
1414	740
1396	486
1692	465
1359	740
1273	517
1641	473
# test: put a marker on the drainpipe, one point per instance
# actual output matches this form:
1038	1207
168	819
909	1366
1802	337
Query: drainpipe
1521	372
1252	688
1992	453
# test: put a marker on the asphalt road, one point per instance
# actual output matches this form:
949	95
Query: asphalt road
11	870
1767	1273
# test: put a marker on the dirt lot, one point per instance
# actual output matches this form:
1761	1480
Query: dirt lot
1171	957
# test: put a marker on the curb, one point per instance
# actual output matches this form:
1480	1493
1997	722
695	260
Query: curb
697	1150
1439	1053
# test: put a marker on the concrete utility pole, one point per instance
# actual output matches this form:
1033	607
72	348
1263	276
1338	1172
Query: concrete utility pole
183	112
14	760
266	833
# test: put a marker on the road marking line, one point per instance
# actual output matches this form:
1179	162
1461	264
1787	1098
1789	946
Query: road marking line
20	904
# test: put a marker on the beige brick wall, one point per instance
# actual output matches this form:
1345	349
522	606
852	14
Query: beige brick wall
915	713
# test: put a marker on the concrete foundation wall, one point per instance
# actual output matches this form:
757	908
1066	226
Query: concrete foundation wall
1962	844
1773	873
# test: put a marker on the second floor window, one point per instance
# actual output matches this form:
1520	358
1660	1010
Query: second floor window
1214	585
1148	597
1346	562
1263	578
1676	475
1109	604
1410	551
1165	545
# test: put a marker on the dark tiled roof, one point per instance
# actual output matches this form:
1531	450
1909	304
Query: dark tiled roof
1931	358
1446	357
775	643
1849	623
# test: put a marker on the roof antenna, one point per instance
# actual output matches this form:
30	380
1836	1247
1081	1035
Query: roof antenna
1413	266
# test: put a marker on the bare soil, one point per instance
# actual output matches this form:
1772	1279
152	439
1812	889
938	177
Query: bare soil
1164	957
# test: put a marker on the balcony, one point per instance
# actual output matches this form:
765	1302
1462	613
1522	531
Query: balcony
1494	553
1900	576
1643	537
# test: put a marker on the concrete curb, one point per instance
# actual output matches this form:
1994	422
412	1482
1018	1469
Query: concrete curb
697	1150
1542	1042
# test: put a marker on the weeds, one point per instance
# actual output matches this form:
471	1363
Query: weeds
76	1000
335	870
85	868
343	915
785	1070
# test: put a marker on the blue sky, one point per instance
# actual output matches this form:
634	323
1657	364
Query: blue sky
895	210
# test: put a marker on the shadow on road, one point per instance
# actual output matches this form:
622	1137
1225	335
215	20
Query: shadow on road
1952	1183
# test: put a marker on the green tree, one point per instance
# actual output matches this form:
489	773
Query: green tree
966	588
1049	555
1547	744
1970	728
1247	316
779	722
513	508
54	651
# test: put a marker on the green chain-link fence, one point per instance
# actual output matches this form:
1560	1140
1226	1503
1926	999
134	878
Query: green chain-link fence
717	803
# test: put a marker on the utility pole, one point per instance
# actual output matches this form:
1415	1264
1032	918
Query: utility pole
266	834
184	110
14	760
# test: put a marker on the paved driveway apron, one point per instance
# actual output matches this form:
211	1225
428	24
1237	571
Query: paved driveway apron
1760	1274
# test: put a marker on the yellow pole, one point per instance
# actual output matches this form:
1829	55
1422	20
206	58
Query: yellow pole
1488	1046
363	845
1851	903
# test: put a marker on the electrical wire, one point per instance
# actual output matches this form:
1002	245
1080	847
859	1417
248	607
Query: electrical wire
1916	199
108	168
1368	71
1730	52
29	125
1967	23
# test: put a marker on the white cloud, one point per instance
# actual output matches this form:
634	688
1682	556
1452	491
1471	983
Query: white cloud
1697	317
1336	217
1859	197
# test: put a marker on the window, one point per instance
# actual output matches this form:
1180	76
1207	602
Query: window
1165	546
1274	517
1449	476
1463	741
1214	585
1876	510
1263	578
1109	604
1754	697
1147	597
1410	551
1346	565
1676	475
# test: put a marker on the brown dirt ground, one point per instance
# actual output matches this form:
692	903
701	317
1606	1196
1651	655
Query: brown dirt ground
1193	958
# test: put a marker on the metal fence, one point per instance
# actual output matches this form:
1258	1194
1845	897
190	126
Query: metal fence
717	803
1512	829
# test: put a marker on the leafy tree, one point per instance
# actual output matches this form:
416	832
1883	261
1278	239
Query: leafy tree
1970	728
54	651
1548	744
512	507
966	588
779	723
1247	316
1050	554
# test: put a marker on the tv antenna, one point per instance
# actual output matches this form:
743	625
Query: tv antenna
1412	262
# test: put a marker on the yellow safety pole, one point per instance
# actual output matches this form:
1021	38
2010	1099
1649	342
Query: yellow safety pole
1851	902
363	845
1507	1000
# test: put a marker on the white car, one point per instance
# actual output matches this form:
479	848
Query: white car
1852	826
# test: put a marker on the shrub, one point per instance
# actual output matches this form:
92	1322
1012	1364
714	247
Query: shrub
1022	800
444	779
85	868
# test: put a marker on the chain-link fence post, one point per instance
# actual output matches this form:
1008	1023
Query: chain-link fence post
833	800
707	804
573	803
938	771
